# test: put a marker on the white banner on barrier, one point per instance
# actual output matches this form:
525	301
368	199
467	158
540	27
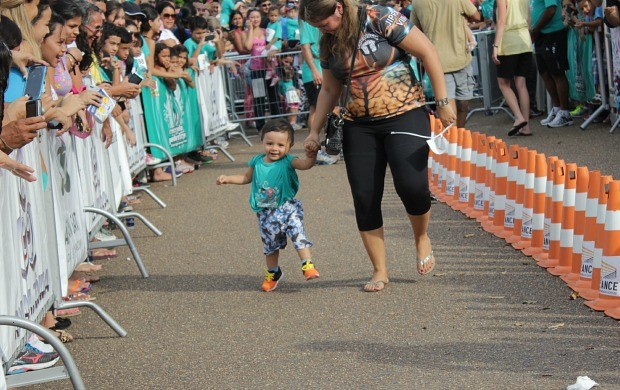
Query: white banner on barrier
136	155
210	88
71	233
119	168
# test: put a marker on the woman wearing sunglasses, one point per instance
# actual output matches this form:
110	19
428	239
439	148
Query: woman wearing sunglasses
168	16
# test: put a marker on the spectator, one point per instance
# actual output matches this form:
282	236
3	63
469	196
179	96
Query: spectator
168	16
114	13
442	22
550	43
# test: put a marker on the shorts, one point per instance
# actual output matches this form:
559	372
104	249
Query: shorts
312	93
460	84
276	224
515	65
552	52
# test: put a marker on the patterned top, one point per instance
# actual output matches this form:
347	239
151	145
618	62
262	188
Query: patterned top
383	83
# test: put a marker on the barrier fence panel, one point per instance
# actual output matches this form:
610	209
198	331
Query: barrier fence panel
136	155
266	88
212	100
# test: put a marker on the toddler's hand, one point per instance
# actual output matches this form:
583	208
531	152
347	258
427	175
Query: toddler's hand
223	179
311	153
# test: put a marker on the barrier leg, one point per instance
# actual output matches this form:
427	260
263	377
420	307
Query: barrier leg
150	193
142	218
616	123
123	229
97	309
170	161
241	133
70	368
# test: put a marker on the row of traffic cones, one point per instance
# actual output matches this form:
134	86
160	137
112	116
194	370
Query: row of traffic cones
564	216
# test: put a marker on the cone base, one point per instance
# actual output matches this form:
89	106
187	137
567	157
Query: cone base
602	304
570	277
460	206
560	270
588	294
513	239
501	232
451	201
482	218
523	246
580	285
533	250
613	313
475	214
549	263
489	227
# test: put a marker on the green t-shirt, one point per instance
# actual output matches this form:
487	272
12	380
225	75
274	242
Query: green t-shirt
310	35
555	24
292	29
274	30
272	183
228	6
207	49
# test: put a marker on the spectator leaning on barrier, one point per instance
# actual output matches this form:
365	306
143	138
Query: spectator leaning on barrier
550	44
442	22
166	13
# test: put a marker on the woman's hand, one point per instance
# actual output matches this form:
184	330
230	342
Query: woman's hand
494	56
22	131
19	170
312	143
71	104
16	109
90	98
446	115
22	59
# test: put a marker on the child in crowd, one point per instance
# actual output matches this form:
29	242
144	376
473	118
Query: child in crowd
290	95
162	62
183	65
273	37
202	41
292	28
274	186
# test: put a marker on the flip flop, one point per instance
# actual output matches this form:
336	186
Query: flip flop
520	134
376	286
515	129
430	258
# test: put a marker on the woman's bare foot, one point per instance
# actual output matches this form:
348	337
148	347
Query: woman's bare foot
160	175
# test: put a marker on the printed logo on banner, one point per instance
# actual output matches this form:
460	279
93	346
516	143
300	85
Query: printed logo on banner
479	199
450	185
526	227
61	162
587	259
509	218
24	226
491	205
609	275
547	233
463	190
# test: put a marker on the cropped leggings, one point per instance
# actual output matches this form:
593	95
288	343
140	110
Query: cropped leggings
369	147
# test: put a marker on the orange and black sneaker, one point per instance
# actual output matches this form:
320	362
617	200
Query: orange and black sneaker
309	271
271	280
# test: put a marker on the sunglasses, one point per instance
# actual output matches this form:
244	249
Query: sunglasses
266	5
168	16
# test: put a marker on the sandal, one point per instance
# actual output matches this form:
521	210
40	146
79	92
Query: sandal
68	312
375	286
422	263
64	336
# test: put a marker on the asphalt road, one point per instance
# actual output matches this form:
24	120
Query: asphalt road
488	318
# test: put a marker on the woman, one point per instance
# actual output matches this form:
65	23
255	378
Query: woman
114	13
167	14
384	97
237	23
512	53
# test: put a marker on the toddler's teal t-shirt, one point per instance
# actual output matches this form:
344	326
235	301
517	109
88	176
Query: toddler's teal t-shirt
272	183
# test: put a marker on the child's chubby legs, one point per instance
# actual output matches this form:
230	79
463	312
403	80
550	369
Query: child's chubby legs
275	225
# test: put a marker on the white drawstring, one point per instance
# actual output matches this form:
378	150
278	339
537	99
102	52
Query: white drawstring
424	136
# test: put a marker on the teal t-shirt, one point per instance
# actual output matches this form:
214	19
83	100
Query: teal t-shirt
272	183
228	6
310	35
207	49
274	30
555	24
292	29
283	86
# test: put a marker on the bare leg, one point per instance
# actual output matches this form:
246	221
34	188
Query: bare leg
561	85
462	106
304	253
551	88
375	247
524	101
511	100
419	223
272	260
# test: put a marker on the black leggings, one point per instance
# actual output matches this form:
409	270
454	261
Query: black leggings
369	147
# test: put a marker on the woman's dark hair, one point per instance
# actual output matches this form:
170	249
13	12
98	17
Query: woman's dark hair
181	24
55	22
163	5
130	22
41	7
68	9
10	33
111	8
232	14
151	14
88	10
5	67
182	49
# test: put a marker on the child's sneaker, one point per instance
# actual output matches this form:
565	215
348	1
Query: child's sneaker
579	111
309	271
271	280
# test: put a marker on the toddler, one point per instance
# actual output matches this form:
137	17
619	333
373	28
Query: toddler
290	95
274	186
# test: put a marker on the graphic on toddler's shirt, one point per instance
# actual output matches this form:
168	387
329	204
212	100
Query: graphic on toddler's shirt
267	197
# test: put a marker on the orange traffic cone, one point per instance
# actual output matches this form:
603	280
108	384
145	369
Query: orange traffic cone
501	189
534	203
592	293
557	199
511	191
447	192
432	157
437	164
458	158
609	286
489	185
465	172
544	253
589	236
581	198
520	192
473	170
477	203
567	231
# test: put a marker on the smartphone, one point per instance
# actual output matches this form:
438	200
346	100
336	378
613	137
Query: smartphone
34	108
135	78
35	82
210	37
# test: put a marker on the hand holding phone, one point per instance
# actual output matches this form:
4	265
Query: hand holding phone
135	78
34	108
36	81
